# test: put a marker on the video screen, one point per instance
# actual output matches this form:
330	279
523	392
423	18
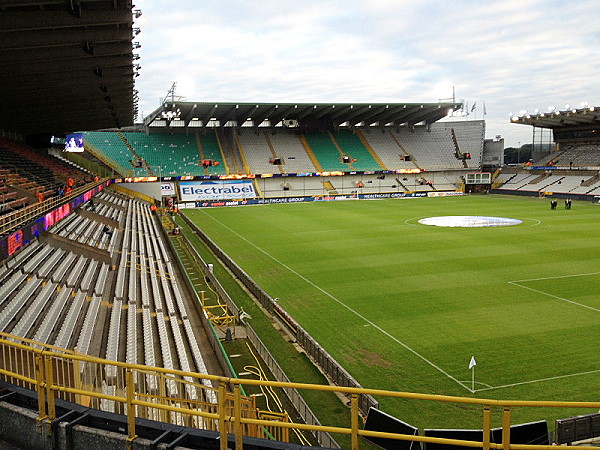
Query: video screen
74	143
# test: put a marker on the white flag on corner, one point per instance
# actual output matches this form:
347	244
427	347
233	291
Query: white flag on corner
473	363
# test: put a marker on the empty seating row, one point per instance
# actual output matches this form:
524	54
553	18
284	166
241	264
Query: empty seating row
58	296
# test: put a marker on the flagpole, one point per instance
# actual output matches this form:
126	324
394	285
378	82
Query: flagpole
472	365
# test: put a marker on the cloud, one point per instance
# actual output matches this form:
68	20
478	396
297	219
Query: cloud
511	54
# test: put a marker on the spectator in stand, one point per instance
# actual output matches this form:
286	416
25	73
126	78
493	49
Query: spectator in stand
96	178
107	230
60	191
40	196
70	182
68	190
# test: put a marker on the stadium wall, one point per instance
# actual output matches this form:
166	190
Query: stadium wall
560	195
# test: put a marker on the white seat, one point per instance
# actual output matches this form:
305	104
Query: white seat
10	310
33	311
68	325
43	332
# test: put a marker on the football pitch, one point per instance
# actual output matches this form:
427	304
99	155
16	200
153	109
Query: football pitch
404	306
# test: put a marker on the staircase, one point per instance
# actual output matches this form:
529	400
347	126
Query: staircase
310	154
226	145
138	157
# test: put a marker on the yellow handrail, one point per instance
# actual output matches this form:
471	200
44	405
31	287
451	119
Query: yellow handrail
53	371
13	221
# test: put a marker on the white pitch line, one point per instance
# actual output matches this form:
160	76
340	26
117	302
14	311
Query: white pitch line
554	296
536	220
353	311
558	377
407	221
556	277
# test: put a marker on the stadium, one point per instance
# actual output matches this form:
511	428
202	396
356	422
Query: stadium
282	275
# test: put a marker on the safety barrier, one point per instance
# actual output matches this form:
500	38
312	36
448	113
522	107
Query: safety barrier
302	409
326	362
12	221
56	373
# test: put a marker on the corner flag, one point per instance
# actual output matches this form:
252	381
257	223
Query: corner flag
473	363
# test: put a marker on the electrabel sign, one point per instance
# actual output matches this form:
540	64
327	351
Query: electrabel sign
215	190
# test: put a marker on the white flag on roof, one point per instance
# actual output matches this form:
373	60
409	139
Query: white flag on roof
473	363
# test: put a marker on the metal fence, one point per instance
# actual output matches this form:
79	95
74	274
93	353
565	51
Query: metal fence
302	409
334	370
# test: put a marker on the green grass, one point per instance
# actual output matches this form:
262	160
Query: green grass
326	405
404	306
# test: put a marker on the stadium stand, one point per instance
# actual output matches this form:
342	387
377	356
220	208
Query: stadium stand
210	150
167	154
291	152
574	155
428	148
327	153
62	297
259	152
115	150
433	149
352	146
39	178
162	154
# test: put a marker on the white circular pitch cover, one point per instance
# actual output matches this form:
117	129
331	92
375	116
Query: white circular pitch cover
469	221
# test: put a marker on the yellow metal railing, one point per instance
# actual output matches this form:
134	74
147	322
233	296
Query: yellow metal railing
13	221
207	401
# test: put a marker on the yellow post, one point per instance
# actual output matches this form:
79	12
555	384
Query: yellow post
49	383
162	382
77	365
222	429
237	426
354	419
487	420
41	388
130	393
506	429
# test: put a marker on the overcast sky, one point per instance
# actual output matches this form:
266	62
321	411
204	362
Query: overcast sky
512	54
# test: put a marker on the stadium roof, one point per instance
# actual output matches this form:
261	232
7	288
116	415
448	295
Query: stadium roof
560	119
178	114
66	65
